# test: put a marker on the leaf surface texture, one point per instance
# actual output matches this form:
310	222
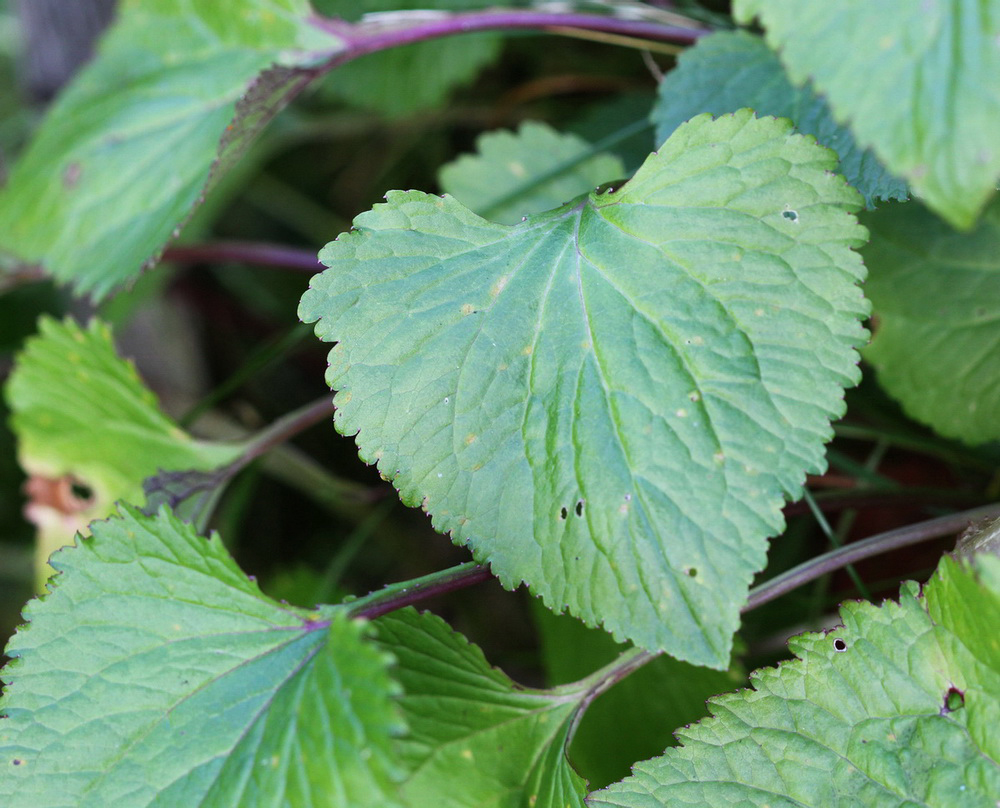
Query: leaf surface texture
155	673
126	151
898	707
609	401
476	738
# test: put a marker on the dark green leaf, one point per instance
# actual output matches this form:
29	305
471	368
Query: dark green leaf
936	295
727	71
476	738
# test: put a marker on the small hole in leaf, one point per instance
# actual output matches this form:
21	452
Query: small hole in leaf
81	490
953	700
839	645
692	572
579	508
791	215
563	513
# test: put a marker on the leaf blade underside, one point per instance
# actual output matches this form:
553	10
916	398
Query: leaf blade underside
609	401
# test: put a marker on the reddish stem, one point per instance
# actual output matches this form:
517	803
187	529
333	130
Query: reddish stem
368	37
244	252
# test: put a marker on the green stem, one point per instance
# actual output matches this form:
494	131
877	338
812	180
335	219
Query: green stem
836	538
257	362
288	426
586	690
405	593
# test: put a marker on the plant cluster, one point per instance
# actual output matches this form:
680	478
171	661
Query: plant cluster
605	350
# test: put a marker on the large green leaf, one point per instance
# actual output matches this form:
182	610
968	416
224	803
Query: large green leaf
516	174
919	82
89	432
610	401
126	151
636	718
730	70
936	295
899	707
475	738
156	673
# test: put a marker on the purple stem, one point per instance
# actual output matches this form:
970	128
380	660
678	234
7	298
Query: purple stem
287	427
858	551
367	37
245	252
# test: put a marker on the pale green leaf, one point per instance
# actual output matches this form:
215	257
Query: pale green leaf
475	738
918	82
126	151
89	432
407	79
516	174
936	295
79	409
897	708
636	718
610	401
156	673
730	70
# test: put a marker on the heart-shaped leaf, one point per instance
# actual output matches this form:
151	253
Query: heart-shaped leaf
610	401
